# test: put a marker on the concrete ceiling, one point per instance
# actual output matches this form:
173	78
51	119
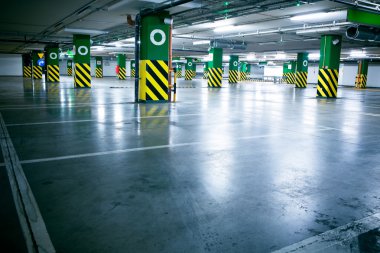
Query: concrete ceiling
264	26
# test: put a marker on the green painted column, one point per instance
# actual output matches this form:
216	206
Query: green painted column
292	73
154	64
215	68
121	62
301	70
133	68
248	71
329	66
82	70
361	77
194	70
286	69
69	67
205	70
233	72
52	64
27	65
38	62
189	69
99	67
179	70
243	71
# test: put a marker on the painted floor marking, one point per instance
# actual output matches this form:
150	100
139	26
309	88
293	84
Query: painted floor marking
128	150
94	120
337	236
32	225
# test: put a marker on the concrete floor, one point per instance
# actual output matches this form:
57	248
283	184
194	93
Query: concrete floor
252	167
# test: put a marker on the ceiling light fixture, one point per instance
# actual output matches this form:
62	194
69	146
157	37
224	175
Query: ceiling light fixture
358	54
225	29
335	15
317	30
83	31
201	42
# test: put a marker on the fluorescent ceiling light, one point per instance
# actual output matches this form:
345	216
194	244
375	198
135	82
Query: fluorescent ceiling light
335	15
225	29
132	39
358	54
251	57
314	56
83	31
97	48
201	42
267	43
317	30
280	56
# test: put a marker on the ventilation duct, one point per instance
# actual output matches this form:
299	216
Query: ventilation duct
363	33
229	44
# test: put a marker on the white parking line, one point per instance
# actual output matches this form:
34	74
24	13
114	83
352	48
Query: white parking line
326	240
32	225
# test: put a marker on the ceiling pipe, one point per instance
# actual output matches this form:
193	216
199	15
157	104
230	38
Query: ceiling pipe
164	7
363	33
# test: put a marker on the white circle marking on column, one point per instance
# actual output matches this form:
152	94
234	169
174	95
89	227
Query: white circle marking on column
304	63
154	41
82	50
53	56
235	63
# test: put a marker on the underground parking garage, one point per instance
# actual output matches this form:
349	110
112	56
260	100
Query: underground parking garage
190	126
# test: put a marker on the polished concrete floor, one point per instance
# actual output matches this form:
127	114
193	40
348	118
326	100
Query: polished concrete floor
253	167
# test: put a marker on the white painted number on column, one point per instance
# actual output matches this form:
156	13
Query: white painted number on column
190	64
82	50
53	56
235	63
99	62
154	41
305	63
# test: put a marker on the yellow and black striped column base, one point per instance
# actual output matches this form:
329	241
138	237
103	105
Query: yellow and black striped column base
122	74
233	76
214	78
361	81
99	73
53	73
27	71
179	74
290	78
188	75
243	76
194	73
37	72
154	80
133	72
82	77
205	74
301	79
70	72
327	83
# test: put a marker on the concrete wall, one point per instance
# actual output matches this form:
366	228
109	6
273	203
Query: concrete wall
109	67
10	65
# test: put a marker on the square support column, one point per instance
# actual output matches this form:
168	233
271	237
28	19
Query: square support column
301	70
82	71
99	67
361	77
233	72
329	66
154	63
52	64
215	68
189	69
121	62
69	65
38	62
